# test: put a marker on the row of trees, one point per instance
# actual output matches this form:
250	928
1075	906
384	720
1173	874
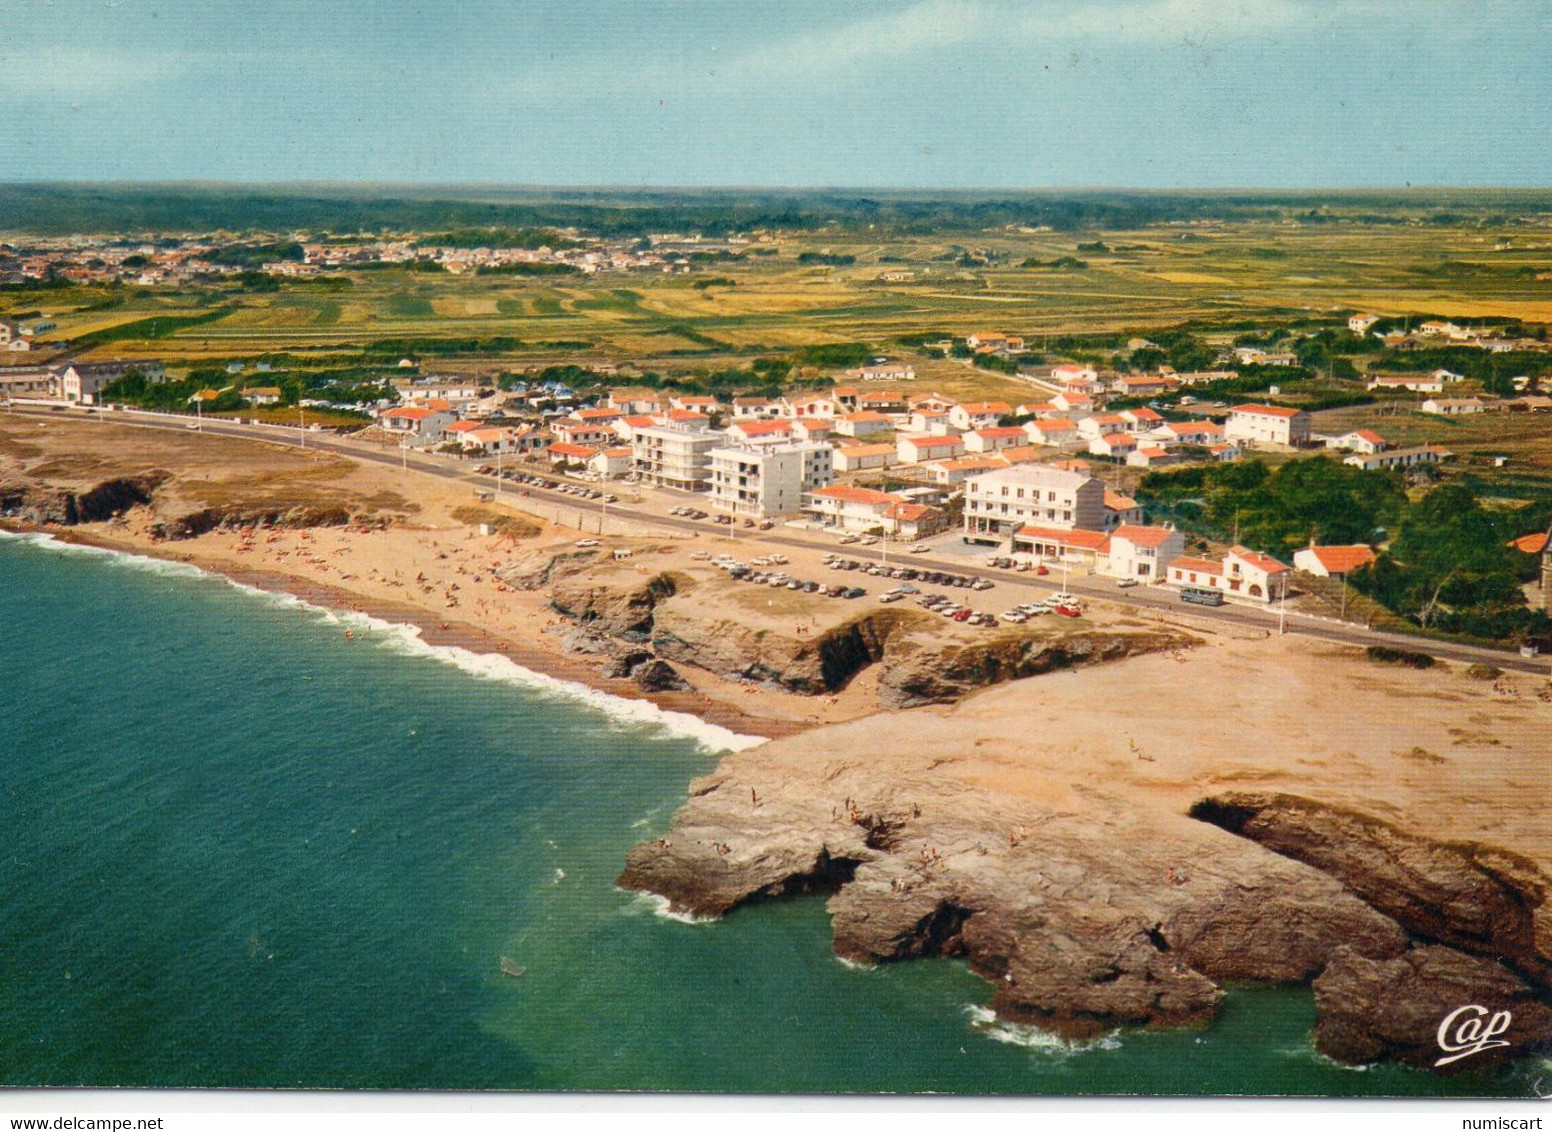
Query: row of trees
1446	564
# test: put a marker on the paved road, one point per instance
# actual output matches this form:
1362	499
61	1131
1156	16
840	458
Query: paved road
1139	597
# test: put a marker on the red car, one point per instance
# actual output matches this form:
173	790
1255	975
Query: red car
963	615
1041	570
1069	611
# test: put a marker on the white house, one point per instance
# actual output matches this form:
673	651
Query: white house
1410	382
850	508
978	414
1241	573
1453	406
1393	458
919	449
866	422
1332	561
1143	553
416	424
1268	424
1360	322
1052	433
612	463
993	439
861	457
760	431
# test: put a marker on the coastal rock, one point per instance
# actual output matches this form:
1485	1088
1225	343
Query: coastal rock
625	662
38	502
919	672
1401	1009
621	605
1081	923
1478	898
658	676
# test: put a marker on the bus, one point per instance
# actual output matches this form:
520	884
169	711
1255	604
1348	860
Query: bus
1201	597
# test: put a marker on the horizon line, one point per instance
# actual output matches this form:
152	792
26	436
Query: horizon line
527	186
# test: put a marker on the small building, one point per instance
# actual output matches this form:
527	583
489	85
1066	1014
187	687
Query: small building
562	454
947	473
920	449
1411	383
1332	561
853	509
1453	406
759	431
768	480
1241	572
863	457
1144	553
1054	433
1389	459
612	463
416	424
1057	544
1121	510
262	395
911	521
1117	445
993	439
1362	440
865	422
1148	456
978	414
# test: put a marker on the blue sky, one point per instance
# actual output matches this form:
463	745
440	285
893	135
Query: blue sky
907	93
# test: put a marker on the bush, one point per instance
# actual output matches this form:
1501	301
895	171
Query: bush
1481	671
1380	654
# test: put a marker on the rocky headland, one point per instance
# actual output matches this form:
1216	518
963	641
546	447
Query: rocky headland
1111	849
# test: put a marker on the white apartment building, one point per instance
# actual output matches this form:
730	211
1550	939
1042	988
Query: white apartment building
999	503
676	456
1268	424
768	480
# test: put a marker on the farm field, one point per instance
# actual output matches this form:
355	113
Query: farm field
1228	274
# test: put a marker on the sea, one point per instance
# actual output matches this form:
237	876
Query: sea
239	849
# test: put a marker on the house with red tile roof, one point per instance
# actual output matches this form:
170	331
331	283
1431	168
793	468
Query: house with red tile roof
865	422
993	439
921	448
1056	544
1117	445
1241	572
911	521
1332	561
978	414
849	508
1144	553
761	431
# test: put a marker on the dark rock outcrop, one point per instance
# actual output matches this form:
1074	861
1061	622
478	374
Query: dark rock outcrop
1080	924
1477	898
1429	1005
920	674
37	502
658	676
610	606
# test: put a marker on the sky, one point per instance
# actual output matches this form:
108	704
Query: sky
911	94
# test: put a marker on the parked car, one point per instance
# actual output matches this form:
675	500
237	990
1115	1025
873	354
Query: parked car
1126	583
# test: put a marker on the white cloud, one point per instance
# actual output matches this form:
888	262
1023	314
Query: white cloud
85	72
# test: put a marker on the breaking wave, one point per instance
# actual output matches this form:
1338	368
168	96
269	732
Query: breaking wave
405	640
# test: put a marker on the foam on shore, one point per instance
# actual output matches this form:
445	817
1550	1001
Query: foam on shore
406	641
984	1022
660	907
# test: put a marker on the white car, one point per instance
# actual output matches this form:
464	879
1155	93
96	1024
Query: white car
920	549
587	543
1126	583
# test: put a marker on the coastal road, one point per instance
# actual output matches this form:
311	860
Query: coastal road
1142	598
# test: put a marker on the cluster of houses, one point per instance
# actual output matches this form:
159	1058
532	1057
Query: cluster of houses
1440	332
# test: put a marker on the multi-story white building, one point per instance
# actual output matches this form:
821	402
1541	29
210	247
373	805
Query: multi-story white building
767	480
676	455
1268	424
999	503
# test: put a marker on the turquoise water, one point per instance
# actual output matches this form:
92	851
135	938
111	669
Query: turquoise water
240	850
